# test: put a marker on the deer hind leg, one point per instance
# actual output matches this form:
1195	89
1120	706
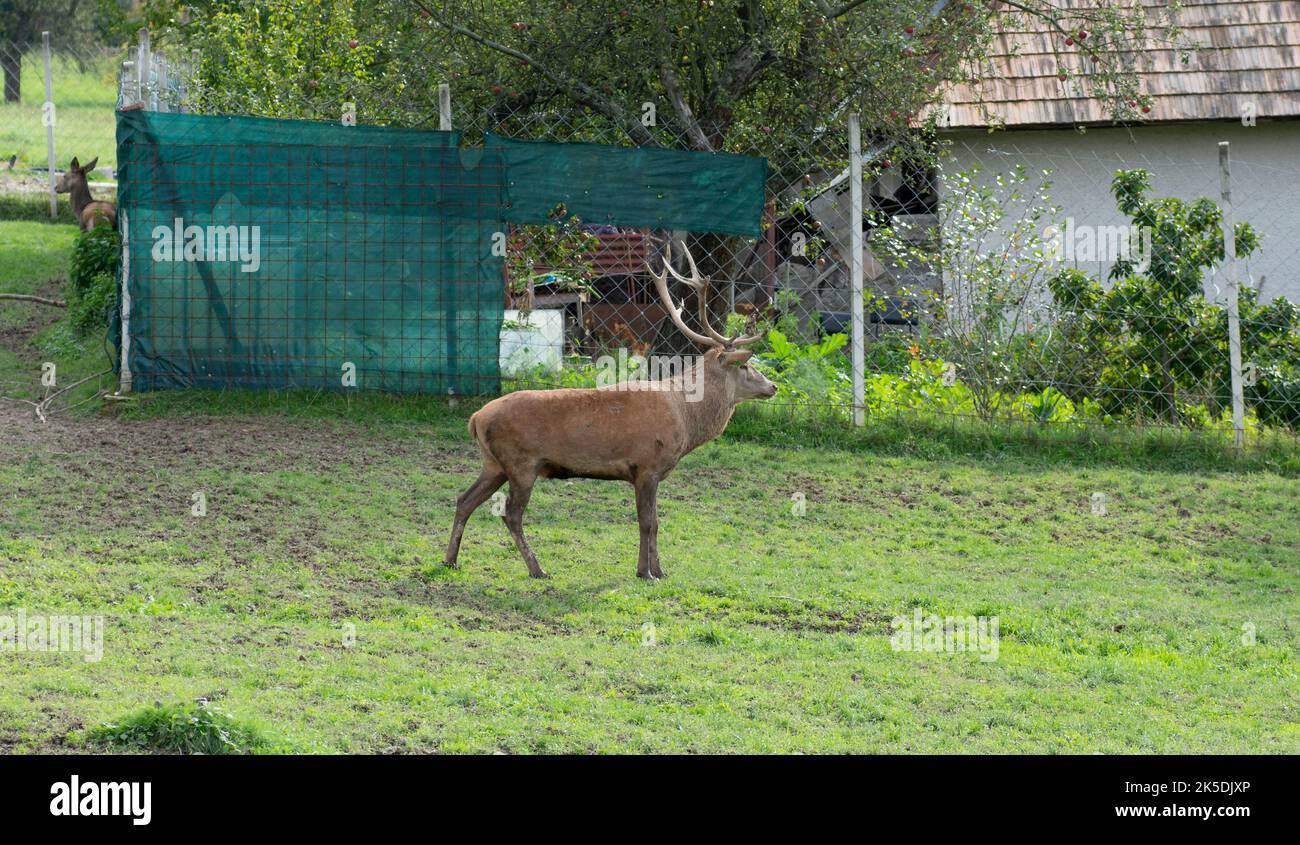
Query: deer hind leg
521	487
489	481
647	517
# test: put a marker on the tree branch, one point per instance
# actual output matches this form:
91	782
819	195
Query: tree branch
742	71
669	78
579	91
22	297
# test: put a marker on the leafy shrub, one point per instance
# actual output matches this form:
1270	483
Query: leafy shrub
1276	397
89	309
992	297
1048	406
95	252
1152	346
814	373
181	728
558	254
92	280
921	387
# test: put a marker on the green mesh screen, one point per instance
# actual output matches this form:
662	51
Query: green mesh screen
275	253
634	186
297	254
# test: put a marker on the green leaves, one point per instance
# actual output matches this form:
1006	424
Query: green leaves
1152	345
181	728
814	372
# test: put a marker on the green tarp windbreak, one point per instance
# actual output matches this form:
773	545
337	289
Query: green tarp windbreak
297	254
634	186
276	253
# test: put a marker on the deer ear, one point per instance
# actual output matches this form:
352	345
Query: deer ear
89	167
739	356
75	165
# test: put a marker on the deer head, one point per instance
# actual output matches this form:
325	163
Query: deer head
74	176
722	358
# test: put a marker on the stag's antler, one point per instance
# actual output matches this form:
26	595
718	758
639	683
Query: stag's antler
661	284
700	284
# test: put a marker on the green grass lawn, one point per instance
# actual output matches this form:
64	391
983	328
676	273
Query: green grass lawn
34	259
84	98
309	602
1121	633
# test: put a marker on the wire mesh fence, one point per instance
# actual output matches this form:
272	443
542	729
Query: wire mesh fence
1046	277
1085	278
56	115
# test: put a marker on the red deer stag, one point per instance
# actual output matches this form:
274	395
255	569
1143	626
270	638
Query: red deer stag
631	431
88	210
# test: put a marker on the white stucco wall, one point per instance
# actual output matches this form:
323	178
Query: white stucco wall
1183	161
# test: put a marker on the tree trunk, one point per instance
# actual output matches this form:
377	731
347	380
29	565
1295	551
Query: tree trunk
715	255
13	71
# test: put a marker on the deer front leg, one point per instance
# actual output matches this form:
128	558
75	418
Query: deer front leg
647	517
521	487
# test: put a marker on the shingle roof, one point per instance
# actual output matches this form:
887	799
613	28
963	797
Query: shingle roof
1249	56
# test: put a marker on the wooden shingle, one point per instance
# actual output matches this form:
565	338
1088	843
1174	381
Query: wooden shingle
1246	58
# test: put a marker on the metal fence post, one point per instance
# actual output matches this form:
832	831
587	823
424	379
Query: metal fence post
50	115
855	247
1234	317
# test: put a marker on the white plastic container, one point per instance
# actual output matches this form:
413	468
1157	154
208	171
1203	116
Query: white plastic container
532	341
